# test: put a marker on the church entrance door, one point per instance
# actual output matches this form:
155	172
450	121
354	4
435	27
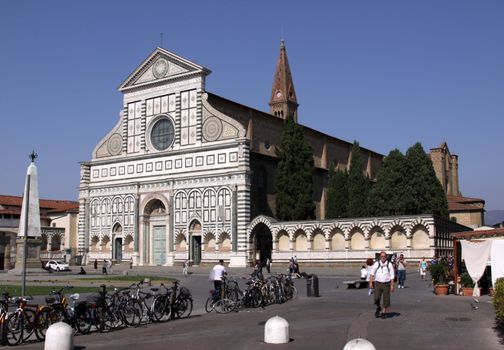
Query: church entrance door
262	243
196	249
118	250
195	242
159	248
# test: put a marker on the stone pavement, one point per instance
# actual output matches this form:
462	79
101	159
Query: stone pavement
419	319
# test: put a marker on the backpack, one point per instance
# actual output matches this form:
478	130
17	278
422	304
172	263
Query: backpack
387	265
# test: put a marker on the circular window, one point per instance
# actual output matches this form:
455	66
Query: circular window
162	134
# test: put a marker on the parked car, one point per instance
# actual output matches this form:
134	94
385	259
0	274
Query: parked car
57	265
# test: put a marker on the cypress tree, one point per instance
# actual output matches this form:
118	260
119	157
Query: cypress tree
358	185
427	195
389	195
337	194
295	168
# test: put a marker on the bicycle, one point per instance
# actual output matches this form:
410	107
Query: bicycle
229	292
22	323
76	315
175	302
137	300
109	311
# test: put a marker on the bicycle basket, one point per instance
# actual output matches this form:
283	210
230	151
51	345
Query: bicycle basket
184	292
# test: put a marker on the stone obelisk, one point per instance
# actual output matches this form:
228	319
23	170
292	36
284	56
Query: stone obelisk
29	235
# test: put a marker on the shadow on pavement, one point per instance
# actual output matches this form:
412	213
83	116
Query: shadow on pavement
499	329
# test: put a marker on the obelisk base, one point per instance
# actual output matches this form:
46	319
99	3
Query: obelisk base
33	263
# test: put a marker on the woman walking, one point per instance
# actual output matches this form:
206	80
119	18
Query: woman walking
401	271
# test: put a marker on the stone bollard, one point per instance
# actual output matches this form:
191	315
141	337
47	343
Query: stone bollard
359	344
276	331
59	336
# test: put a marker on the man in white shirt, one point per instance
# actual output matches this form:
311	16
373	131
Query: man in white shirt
382	278
217	275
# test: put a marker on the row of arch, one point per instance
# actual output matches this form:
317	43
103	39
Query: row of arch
51	243
104	244
300	241
265	234
211	243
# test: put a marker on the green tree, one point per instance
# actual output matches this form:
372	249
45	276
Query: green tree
294	175
389	195
358	185
427	195
337	194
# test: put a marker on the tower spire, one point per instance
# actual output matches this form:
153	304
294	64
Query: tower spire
283	99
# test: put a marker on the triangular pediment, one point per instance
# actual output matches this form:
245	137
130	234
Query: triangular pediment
161	65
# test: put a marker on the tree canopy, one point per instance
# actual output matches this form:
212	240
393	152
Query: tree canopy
295	168
358	185
337	194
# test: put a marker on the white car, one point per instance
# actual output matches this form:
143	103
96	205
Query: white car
57	265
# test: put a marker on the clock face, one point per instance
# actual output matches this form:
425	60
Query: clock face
279	93
160	68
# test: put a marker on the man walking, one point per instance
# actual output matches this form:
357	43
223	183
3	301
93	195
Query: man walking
382	278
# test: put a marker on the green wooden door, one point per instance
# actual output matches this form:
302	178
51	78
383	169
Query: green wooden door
159	248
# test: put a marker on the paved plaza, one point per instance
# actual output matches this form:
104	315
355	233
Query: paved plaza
418	319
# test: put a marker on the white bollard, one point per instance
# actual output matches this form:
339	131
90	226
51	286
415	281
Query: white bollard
59	336
276	331
359	344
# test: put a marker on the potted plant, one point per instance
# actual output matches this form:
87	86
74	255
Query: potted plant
467	284
440	272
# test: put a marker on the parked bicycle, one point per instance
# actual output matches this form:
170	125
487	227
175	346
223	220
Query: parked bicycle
173	302
58	309
23	322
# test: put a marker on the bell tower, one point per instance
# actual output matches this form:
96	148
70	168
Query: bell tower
283	99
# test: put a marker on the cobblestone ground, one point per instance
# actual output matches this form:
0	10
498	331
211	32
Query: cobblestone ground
418	318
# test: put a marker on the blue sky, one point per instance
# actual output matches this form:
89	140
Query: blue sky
386	73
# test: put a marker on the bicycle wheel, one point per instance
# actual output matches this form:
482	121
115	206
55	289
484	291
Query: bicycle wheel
29	324
255	298
161	309
233	295
292	292
131	312
43	323
14	329
183	307
224	306
102	315
210	304
83	320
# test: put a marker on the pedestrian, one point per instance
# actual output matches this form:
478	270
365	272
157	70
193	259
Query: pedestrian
363	272
422	268
185	268
369	265
217	276
109	266
382	279
292	265
258	270
95	264
104	268
401	271
131	263
268	265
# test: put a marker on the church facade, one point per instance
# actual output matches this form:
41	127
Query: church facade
184	172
